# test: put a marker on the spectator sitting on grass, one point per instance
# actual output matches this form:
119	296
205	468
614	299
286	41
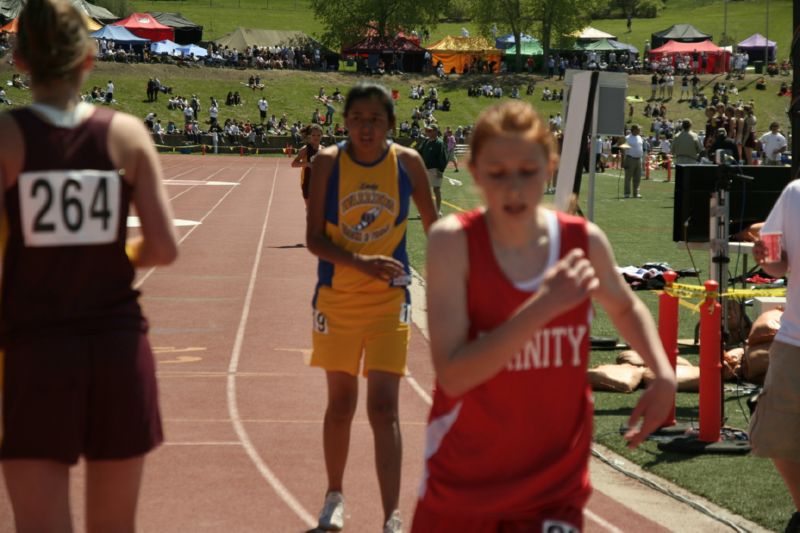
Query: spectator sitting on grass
3	98
171	128
445	104
547	94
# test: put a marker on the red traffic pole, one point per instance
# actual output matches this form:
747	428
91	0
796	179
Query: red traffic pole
669	168
203	149
668	332
646	159
710	366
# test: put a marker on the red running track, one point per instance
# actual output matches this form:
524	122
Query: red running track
231	324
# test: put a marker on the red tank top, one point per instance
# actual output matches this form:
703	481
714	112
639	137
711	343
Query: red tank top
519	442
65	270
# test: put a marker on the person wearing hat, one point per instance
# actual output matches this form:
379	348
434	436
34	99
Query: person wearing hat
434	154
687	146
723	142
773	144
634	156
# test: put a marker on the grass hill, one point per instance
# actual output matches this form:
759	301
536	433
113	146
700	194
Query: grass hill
744	18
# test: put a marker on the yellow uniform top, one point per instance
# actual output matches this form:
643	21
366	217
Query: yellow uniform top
366	211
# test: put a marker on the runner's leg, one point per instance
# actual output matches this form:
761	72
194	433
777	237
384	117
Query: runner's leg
342	398
112	492
39	494
382	399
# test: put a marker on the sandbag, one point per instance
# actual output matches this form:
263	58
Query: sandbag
765	327
688	377
632	357
755	362
615	378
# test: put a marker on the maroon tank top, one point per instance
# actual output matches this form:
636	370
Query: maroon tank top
65	270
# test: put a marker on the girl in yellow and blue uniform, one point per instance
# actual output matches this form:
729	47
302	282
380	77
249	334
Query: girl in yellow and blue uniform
357	217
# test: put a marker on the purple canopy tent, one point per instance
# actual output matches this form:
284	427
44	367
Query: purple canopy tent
755	46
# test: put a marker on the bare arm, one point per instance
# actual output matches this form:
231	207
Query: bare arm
421	188
300	159
632	319
461	365
319	244
131	149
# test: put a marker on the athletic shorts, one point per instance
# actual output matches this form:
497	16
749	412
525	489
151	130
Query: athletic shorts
91	395
366	331
435	177
564	519
775	425
305	184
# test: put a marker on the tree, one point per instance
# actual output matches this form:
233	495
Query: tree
518	16
552	17
346	21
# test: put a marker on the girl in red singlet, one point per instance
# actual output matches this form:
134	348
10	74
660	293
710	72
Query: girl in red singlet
509	288
79	372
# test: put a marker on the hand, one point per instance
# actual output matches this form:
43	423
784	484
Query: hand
652	408
760	252
569	281
379	266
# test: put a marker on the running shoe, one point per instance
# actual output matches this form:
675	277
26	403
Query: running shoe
394	524
331	518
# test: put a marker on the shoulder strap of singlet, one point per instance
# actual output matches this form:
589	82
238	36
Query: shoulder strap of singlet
574	233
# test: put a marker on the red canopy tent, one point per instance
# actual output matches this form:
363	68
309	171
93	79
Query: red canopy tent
717	57
146	26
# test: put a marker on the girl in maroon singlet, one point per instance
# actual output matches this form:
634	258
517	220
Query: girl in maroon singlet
79	373
509	288
313	132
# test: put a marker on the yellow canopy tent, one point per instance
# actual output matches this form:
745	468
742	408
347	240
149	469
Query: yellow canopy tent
458	52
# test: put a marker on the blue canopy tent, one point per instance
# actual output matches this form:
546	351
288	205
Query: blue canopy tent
192	49
757	46
164	47
119	35
508	41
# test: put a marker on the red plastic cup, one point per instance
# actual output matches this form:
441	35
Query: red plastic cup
772	243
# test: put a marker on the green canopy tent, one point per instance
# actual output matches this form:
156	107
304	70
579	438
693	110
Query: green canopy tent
528	49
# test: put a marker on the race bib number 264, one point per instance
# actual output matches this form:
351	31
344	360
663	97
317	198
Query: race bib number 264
69	207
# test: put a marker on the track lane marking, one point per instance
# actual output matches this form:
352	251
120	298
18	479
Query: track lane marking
147	274
233	408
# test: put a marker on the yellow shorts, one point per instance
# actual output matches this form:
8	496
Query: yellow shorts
349	325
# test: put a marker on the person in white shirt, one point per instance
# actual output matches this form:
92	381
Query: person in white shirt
262	109
666	146
773	144
633	162
110	92
188	115
775	426
213	113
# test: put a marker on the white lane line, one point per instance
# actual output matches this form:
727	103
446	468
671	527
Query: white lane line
601	522
147	274
233	408
205	443
192	186
419	317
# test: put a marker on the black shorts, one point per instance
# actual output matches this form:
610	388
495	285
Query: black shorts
305	185
92	395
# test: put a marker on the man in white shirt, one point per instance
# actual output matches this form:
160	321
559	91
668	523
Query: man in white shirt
775	426
633	162
262	109
773	144
110	92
